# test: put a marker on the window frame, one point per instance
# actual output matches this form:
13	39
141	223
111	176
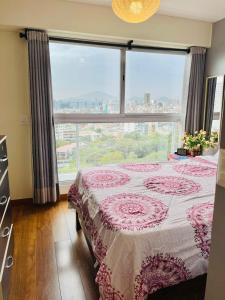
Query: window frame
216	114
122	116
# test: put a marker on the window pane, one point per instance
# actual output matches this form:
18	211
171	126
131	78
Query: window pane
88	145
216	125
219	94
85	79
154	82
67	145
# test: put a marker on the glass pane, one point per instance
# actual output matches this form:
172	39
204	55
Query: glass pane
219	94
216	125
88	145
67	144
85	79
154	82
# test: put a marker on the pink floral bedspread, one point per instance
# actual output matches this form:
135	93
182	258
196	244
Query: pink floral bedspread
149	224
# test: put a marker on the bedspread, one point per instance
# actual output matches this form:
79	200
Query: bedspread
149	224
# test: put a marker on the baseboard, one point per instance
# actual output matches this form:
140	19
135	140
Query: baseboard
63	197
28	201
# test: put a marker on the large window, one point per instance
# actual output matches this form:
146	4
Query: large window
115	106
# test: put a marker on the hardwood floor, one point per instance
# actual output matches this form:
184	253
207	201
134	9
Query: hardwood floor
52	261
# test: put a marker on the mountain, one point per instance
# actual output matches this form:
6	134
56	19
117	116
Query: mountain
85	100
97	98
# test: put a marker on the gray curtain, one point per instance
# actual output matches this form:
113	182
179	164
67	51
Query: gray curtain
195	103
210	101
43	138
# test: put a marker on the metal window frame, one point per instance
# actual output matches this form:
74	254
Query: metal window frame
74	118
122	116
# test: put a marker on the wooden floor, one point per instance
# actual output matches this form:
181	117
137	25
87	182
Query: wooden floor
52	261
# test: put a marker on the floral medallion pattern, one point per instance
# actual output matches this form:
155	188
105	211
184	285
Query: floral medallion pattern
99	250
195	170
141	167
139	208
98	247
104	179
159	271
103	279
201	217
172	185
204	161
132	212
74	196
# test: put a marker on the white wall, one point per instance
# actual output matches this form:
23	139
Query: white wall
14	105
216	279
216	55
100	20
216	274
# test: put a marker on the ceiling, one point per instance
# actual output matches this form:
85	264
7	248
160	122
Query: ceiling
206	10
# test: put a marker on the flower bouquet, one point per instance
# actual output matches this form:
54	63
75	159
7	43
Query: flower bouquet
196	143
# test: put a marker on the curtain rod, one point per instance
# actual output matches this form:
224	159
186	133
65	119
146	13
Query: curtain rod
129	44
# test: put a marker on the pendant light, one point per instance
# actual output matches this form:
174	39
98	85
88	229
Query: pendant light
135	11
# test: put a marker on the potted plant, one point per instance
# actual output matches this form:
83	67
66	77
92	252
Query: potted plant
212	144
198	142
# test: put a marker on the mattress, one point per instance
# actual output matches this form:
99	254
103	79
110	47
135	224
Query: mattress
149	224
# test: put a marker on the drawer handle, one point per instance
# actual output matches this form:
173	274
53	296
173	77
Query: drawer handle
5	232
3	200
3	159
9	262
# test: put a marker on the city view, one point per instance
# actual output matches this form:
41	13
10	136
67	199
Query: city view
99	102
87	80
95	144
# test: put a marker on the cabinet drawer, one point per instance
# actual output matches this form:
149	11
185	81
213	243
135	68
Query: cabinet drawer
4	194
5	227
3	149
3	166
7	266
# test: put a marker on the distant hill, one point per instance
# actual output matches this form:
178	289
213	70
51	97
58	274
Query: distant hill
85	100
90	100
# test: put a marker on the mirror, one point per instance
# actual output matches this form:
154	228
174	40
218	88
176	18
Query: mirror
213	102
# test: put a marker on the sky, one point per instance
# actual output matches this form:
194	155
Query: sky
78	70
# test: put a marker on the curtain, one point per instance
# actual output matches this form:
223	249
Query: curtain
45	179
195	102
210	101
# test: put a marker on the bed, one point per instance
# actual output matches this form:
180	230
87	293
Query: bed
149	225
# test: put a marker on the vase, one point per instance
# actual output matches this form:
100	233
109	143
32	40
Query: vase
210	151
194	152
